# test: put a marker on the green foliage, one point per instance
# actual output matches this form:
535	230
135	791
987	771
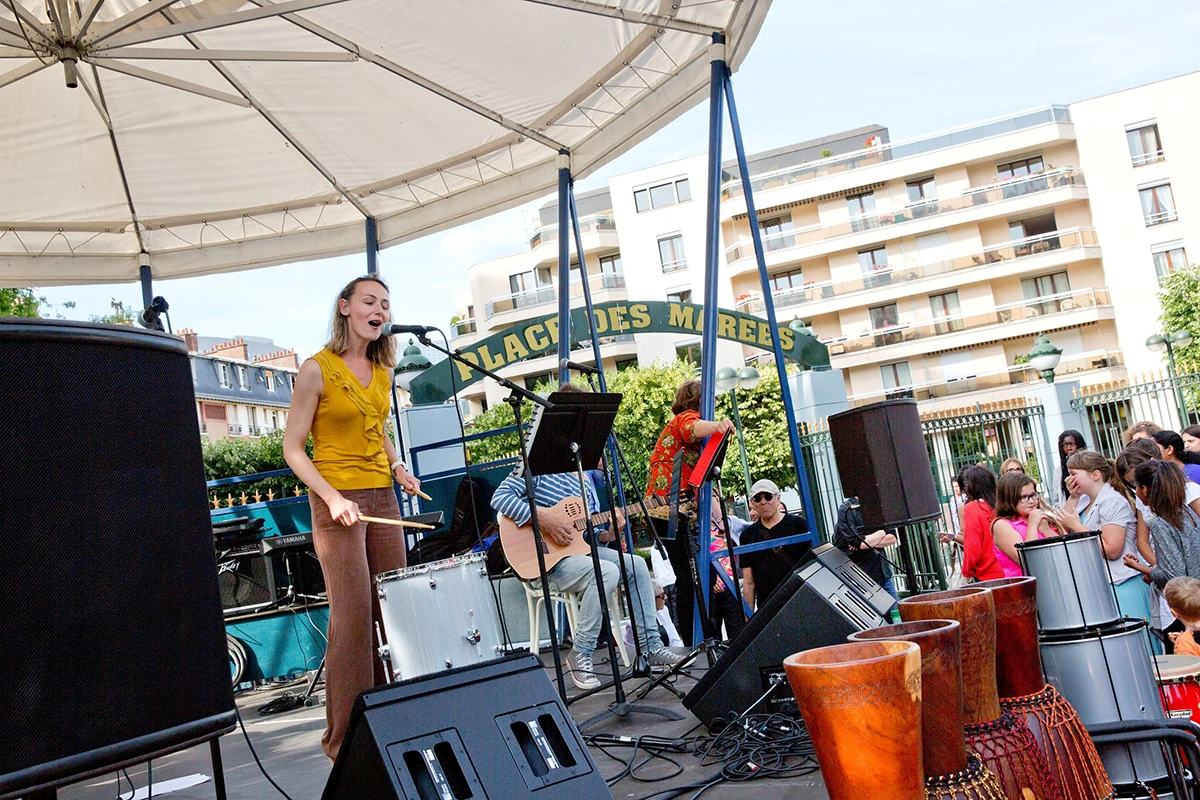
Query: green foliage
764	427
1180	299
20	303
120	315
826	153
232	457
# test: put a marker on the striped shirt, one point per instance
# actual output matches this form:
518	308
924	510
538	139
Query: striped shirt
548	490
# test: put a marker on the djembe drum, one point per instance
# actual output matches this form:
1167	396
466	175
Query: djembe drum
948	773
861	703
1002	741
1023	691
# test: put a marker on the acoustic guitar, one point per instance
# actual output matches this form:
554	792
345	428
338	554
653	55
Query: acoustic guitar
518	541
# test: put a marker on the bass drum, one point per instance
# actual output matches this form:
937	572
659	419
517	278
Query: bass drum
439	616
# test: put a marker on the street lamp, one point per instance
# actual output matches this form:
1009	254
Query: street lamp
412	363
1159	342
1044	357
730	380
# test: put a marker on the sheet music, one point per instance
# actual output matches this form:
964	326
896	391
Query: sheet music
531	430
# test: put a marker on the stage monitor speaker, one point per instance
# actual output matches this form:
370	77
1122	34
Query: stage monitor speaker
246	580
494	730
854	577
112	639
883	461
812	608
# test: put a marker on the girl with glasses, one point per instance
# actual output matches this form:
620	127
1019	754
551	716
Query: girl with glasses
1020	517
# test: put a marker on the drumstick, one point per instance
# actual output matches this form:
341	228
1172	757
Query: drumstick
401	523
425	496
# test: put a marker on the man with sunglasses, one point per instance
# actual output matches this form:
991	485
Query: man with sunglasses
764	570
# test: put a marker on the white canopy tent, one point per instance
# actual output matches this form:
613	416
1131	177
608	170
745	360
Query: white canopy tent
216	135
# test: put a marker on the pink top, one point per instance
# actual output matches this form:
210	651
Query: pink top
1011	568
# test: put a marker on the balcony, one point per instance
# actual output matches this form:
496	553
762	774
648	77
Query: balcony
1152	157
901	272
236	430
997	192
462	327
1160	217
592	222
1011	313
602	281
897	150
1015	375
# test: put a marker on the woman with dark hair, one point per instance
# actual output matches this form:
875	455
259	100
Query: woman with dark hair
343	398
1171	445
1020	517
979	551
1191	438
1174	527
1069	442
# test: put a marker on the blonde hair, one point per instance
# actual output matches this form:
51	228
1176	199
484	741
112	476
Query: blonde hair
382	351
1146	427
1183	596
1007	461
1091	461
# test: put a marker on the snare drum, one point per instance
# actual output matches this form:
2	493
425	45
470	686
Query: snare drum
438	616
1179	682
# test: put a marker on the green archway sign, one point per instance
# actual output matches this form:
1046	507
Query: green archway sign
539	337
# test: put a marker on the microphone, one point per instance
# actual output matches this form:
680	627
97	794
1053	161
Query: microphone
567	364
393	328
149	318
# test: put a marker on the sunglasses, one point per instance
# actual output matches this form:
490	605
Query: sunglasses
762	497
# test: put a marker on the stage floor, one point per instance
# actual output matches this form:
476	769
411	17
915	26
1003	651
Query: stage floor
289	745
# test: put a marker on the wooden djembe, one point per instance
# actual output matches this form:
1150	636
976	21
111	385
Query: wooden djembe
861	703
1004	742
1023	691
948	773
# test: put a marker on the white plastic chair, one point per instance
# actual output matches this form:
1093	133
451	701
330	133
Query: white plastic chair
535	601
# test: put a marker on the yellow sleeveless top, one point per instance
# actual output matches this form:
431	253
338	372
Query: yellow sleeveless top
348	427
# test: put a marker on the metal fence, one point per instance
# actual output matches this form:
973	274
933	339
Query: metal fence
1170	401
987	434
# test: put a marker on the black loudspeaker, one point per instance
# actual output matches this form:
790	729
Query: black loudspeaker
882	460
308	580
493	730
854	577
112	643
812	608
246	579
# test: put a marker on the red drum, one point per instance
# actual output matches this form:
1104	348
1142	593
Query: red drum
1179	683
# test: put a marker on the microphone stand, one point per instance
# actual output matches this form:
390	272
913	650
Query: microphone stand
515	396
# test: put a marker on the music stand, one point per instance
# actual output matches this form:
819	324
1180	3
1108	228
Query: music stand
571	432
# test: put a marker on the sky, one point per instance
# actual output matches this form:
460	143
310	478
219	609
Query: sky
916	67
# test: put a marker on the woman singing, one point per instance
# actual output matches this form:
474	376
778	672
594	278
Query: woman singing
343	397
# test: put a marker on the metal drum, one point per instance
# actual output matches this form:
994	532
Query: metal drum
1108	675
1074	590
437	616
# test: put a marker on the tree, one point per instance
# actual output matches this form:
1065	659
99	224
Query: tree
233	457
20	303
119	316
764	426
1180	299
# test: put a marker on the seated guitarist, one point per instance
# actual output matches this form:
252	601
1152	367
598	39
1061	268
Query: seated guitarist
575	574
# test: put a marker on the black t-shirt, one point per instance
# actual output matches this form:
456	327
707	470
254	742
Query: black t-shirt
848	536
772	566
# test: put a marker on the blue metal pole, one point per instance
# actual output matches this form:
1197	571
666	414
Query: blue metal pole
708	337
564	264
372	247
772	320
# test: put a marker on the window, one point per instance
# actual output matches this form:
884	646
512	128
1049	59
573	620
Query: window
1050	285
946	312
533	381
776	233
531	288
689	353
785	281
862	212
1158	204
1168	257
682	296
224	376
1144	145
274	420
883	318
670	253
1019	169
625	364
874	265
270	377
611	275
897	380
243	378
1037	228
662	194
921	189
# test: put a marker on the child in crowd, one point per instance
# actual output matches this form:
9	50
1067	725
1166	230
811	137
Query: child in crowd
1183	595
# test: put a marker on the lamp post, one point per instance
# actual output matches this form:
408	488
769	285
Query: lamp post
1161	341
1044	357
730	380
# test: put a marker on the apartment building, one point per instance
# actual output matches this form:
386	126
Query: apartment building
928	266
243	385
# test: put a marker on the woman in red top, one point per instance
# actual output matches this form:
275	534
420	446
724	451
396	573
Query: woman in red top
979	554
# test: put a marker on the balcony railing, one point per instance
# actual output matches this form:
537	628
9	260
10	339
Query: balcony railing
903	271
462	327
674	266
1047	305
897	150
1142	159
1012	376
235	429
1161	217
983	195
593	222
599	281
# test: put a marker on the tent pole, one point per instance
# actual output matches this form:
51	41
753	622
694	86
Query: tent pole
564	264
146	277
372	247
772	320
708	336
